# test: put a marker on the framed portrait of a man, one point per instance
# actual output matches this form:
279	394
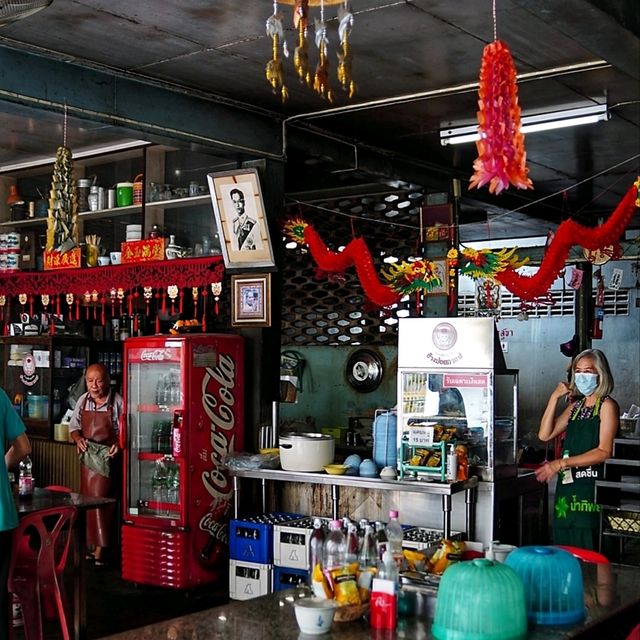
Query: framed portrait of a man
240	217
251	300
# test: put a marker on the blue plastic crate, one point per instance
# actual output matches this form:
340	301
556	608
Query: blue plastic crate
251	539
285	577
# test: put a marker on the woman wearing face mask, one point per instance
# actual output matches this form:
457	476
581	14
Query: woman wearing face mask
590	421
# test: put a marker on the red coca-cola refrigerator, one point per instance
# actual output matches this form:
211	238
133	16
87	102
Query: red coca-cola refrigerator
184	402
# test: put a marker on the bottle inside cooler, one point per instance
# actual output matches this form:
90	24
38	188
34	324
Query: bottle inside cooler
173	483
160	485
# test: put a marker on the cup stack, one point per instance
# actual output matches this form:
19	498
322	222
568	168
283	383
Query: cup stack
134	232
9	252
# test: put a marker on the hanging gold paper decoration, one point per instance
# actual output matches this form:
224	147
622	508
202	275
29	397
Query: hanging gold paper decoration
321	78
344	55
274	71
301	53
62	229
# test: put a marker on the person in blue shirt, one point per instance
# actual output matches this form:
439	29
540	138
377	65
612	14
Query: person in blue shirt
12	431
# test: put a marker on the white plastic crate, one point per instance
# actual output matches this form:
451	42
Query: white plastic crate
420	538
249	580
291	542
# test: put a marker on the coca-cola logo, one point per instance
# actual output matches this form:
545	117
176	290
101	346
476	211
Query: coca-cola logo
155	355
218	400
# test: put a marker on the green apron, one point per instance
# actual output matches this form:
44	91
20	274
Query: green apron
576	517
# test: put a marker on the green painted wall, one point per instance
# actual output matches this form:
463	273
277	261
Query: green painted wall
327	399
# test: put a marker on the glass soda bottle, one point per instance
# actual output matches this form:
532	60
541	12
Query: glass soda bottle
394	538
352	544
159	484
173	483
335	547
368	556
25	478
381	539
316	547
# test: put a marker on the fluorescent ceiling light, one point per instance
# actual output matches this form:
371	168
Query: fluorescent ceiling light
530	124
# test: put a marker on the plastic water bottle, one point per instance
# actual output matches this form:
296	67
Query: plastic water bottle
352	544
394	538
25	478
335	547
387	568
316	547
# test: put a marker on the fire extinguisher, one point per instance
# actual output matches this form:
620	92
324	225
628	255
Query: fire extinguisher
598	316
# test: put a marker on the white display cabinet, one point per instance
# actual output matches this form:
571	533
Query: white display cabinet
452	382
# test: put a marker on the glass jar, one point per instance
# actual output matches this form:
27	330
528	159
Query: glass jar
84	185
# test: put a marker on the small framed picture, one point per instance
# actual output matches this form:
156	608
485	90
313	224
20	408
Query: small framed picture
443	275
251	300
240	217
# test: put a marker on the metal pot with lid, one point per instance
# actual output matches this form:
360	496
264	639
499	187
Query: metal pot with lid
306	451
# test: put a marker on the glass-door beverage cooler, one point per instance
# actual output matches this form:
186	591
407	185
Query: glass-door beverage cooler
184	401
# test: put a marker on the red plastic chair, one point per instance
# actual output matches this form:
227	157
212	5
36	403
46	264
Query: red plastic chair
58	487
35	575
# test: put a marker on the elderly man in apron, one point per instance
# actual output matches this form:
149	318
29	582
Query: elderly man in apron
94	429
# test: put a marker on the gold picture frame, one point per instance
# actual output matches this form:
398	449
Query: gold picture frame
251	300
442	271
242	224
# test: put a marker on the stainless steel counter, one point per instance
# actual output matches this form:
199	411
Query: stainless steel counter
412	485
271	617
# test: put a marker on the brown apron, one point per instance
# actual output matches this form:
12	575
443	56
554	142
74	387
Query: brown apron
98	427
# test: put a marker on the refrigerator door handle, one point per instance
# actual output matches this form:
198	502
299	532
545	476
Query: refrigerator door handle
122	431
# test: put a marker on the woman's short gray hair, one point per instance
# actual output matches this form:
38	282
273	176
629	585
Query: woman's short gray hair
605	379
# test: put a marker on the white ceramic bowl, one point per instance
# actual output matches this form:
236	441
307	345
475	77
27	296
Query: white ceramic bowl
314	616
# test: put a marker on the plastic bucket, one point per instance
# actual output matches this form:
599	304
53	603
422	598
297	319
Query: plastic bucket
124	194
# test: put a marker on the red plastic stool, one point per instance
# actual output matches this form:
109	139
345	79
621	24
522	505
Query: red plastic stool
35	569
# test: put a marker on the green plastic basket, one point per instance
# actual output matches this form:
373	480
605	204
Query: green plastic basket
480	600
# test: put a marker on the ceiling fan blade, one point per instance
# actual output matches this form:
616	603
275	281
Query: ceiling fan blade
14	10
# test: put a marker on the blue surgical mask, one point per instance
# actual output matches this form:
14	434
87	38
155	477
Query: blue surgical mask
586	383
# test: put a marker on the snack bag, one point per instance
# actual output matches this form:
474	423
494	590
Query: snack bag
416	560
320	585
345	586
449	551
365	578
